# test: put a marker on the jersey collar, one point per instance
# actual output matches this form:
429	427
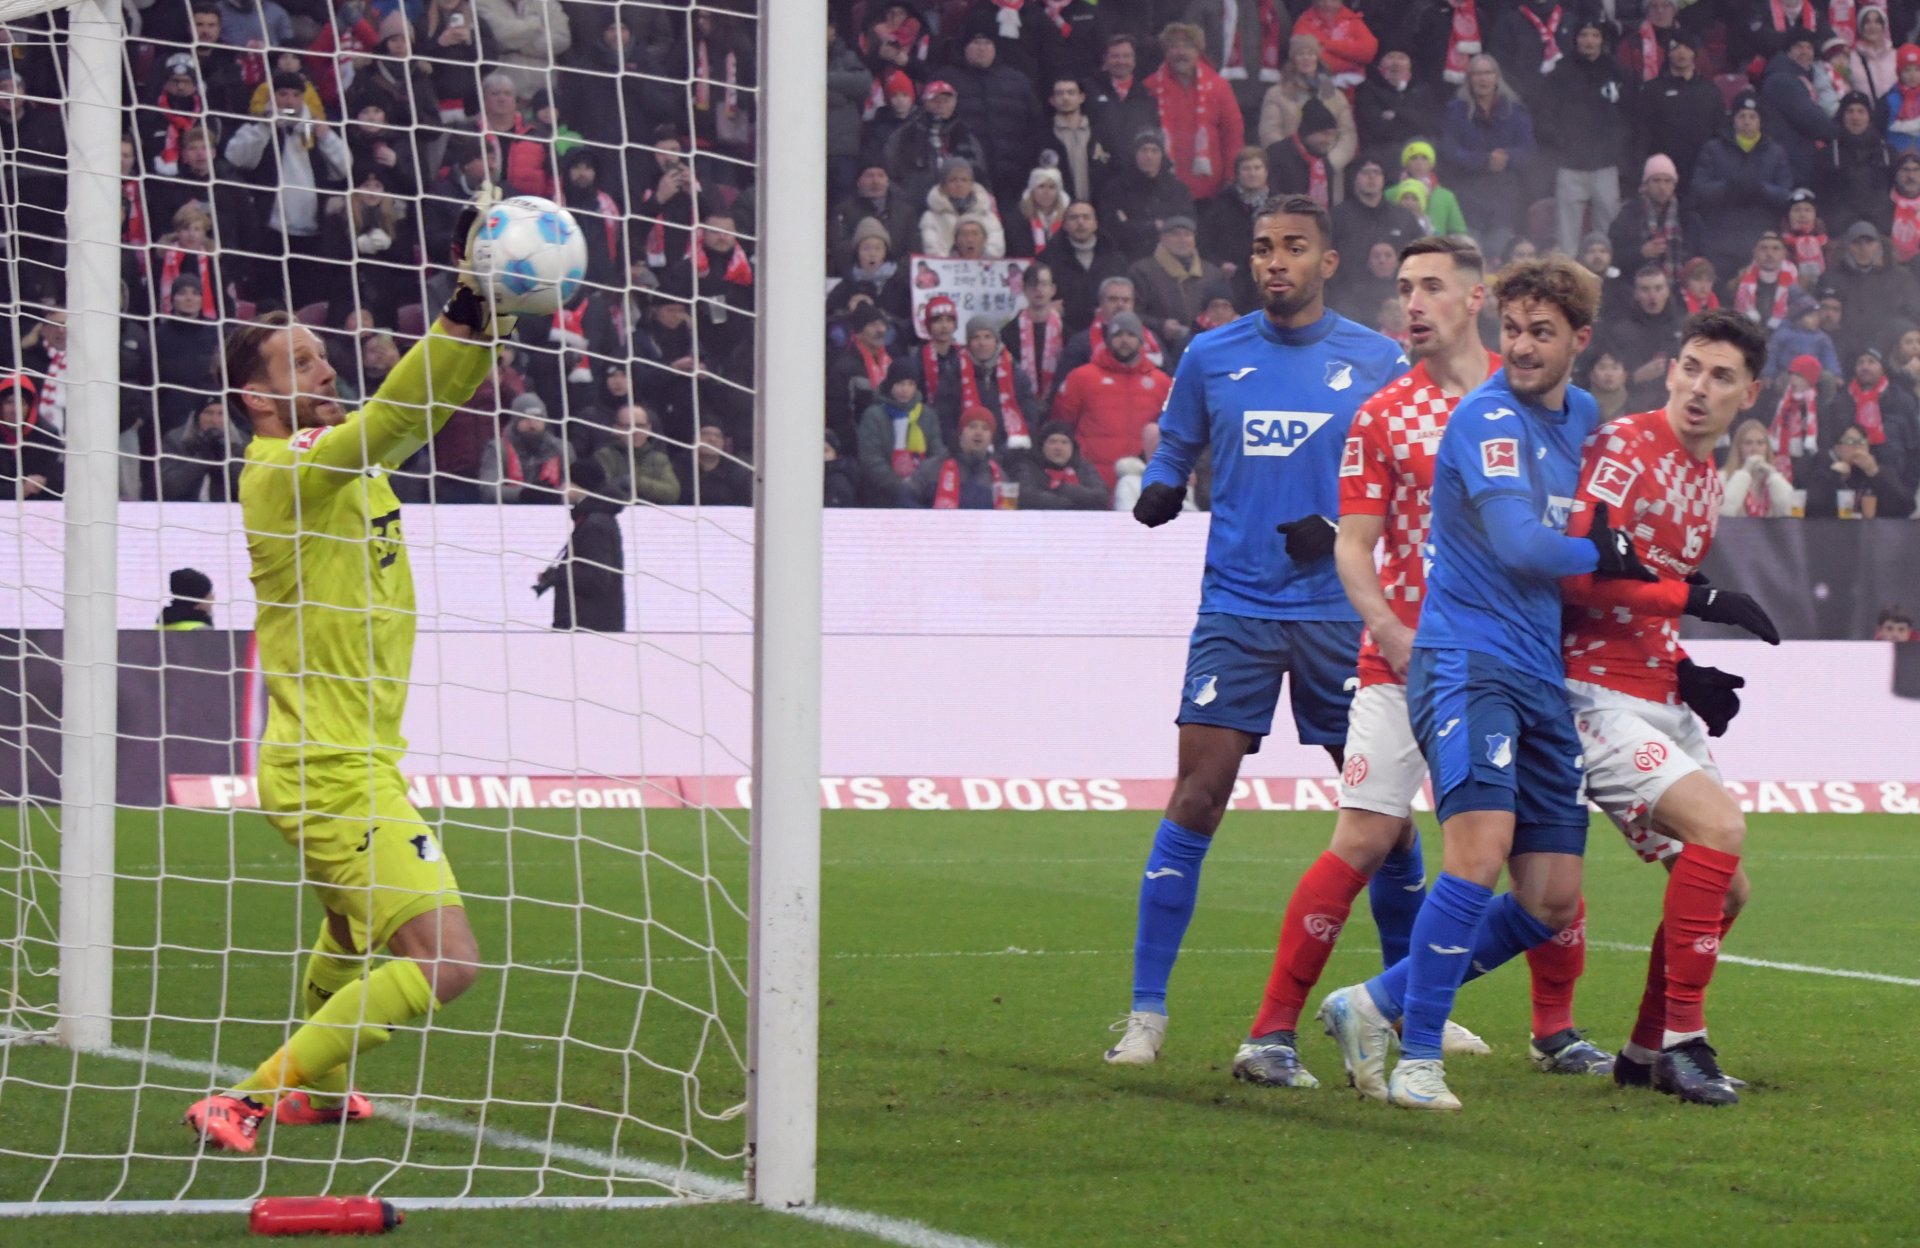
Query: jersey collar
1303	336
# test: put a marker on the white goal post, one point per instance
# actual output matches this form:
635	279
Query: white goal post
86	1016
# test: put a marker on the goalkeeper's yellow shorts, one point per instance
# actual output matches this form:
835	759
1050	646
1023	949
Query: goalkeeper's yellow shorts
367	852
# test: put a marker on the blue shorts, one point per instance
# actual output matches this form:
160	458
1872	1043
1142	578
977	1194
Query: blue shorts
1496	738
1236	663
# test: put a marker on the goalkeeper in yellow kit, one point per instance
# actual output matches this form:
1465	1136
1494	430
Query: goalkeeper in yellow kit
335	629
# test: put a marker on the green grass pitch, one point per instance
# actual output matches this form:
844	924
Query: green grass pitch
972	963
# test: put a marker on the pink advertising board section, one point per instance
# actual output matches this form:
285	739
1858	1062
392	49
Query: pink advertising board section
970	793
972	644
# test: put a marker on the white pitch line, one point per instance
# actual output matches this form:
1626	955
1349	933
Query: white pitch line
669	1176
902	1231
1798	968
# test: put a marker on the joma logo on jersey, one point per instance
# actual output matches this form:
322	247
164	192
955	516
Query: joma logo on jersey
1280	433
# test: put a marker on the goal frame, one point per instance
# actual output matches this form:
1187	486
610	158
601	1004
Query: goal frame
784	864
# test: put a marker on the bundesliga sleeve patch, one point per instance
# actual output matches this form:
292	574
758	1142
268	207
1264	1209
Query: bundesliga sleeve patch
1351	464
1611	480
304	440
1500	457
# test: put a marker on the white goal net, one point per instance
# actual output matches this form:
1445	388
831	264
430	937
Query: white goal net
592	694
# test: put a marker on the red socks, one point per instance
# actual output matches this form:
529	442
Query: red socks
1315	914
1649	1030
1696	902
1556	964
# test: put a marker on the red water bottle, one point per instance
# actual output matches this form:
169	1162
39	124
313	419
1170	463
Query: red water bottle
323	1215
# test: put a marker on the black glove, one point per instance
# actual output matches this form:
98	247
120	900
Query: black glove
1727	606
1159	503
1709	693
1617	560
1309	538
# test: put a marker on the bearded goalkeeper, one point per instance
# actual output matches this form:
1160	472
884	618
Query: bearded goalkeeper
335	629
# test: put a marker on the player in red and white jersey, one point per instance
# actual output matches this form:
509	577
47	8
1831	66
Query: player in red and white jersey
1634	692
1386	477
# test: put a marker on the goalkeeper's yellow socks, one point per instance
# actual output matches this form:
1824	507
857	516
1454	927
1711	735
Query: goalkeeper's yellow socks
352	1021
330	968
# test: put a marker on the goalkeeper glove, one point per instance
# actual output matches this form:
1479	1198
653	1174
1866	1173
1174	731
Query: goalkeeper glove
1726	606
1709	693
1159	503
472	305
1309	538
1615	547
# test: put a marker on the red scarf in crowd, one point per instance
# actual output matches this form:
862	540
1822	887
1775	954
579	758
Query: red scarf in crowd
1235	66
946	495
1699	303
1317	187
170	265
1746	295
1012	419
907	34
930	372
1058	477
1043	365
549	474
876	366
178	123
1796	427
1866	409
1044	230
1464	44
1550	52
1052	7
1808	252
1906	223
1780	22
1843	16
1211	100
739	270
136	232
1653	57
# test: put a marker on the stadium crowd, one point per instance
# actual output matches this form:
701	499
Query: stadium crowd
313	155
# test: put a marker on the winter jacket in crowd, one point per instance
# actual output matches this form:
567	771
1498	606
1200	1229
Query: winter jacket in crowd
1077	275
644	477
1740	195
1000	106
894	442
1585	115
1107	402
1491	200
1676	117
1044	486
1791	117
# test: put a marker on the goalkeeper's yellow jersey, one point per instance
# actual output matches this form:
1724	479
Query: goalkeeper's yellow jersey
335	621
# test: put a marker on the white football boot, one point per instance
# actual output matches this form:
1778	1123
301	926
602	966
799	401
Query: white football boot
1139	1045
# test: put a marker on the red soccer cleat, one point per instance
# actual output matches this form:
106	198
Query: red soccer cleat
296	1109
226	1122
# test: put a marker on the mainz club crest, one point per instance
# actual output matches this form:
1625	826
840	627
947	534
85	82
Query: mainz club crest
1649	756
1355	772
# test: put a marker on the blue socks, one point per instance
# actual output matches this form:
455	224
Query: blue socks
1395	893
1443	941
1505	931
1166	907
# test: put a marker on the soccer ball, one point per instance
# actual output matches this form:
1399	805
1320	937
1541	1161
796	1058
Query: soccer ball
531	254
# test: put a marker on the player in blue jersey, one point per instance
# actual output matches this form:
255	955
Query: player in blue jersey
1486	683
1272	395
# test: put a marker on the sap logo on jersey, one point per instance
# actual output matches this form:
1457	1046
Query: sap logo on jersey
1280	433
